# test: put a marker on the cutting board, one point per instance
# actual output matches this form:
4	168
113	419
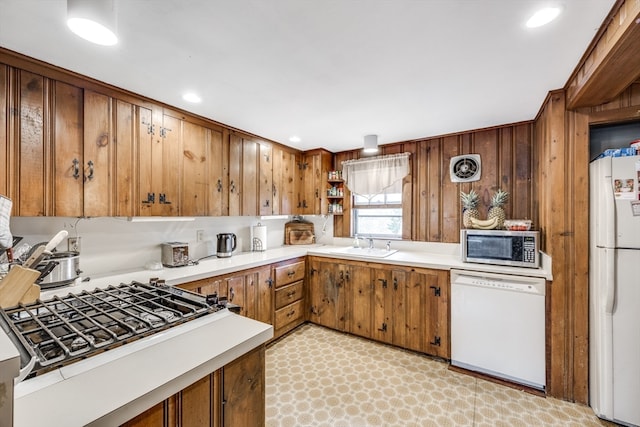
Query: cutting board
298	233
16	284
301	237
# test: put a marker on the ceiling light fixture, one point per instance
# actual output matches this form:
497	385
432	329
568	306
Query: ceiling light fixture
93	20
543	17
371	143
191	97
295	138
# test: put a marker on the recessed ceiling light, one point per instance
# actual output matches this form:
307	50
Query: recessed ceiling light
295	138
93	20
191	97
543	17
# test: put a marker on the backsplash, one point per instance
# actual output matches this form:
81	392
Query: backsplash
110	244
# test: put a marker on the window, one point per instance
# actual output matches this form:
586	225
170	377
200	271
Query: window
379	217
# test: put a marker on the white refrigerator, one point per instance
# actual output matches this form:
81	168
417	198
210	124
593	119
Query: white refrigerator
614	289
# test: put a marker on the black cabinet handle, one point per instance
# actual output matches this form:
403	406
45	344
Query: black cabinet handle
76	168
384	282
90	164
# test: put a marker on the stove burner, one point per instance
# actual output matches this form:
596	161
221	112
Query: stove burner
80	343
65	329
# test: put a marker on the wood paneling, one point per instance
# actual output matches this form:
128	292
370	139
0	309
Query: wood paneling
613	53
431	202
560	164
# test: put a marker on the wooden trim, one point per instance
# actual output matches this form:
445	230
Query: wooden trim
612	53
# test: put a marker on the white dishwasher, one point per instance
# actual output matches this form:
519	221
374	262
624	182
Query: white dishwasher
498	326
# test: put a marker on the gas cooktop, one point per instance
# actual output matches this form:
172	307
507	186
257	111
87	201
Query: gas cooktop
62	330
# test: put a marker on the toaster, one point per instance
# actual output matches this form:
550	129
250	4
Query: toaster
175	254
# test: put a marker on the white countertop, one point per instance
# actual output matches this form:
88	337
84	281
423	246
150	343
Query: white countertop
113	387
410	254
439	261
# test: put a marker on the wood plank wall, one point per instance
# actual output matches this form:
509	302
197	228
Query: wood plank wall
561	166
433	210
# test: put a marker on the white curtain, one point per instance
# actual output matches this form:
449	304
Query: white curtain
372	176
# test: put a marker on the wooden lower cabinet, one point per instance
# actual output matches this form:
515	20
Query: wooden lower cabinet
404	306
326	292
289	295
251	289
233	396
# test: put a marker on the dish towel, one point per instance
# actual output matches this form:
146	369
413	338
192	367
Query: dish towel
6	240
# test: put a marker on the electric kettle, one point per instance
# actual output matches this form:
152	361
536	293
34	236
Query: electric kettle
226	244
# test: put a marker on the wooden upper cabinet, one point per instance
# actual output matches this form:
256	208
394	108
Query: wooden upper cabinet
312	199
68	161
92	154
159	162
250	168
243	176
125	144
217	169
32	145
195	178
265	181
284	181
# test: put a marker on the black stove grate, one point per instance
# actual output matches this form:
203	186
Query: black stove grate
65	329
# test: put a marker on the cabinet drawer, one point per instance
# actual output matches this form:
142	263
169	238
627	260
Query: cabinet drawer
290	313
288	294
289	273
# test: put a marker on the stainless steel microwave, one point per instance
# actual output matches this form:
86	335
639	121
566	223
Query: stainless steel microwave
501	247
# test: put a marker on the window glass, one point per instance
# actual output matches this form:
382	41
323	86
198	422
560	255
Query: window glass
379	217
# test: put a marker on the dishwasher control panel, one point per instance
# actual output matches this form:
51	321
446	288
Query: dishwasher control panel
505	282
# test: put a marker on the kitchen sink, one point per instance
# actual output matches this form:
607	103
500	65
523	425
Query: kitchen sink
365	252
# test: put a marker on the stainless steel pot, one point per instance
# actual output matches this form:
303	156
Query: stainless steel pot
64	272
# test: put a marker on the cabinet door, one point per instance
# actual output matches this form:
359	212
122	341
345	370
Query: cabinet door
284	180
236	293
199	403
195	180
250	178
125	143
360	288
243	390
383	305
68	163
30	197
168	203
145	134
265	292
398	307
217	165
235	175
265	181
277	172
415	294
308	185
327	294
437	313
97	156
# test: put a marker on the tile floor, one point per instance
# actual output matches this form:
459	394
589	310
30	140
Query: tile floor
319	377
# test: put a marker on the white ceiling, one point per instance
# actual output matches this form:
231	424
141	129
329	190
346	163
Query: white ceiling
329	71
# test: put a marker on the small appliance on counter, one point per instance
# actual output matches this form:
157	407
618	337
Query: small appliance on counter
501	247
226	245
299	232
259	238
175	254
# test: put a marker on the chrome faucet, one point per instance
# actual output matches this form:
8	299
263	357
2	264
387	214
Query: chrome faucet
370	242
388	245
